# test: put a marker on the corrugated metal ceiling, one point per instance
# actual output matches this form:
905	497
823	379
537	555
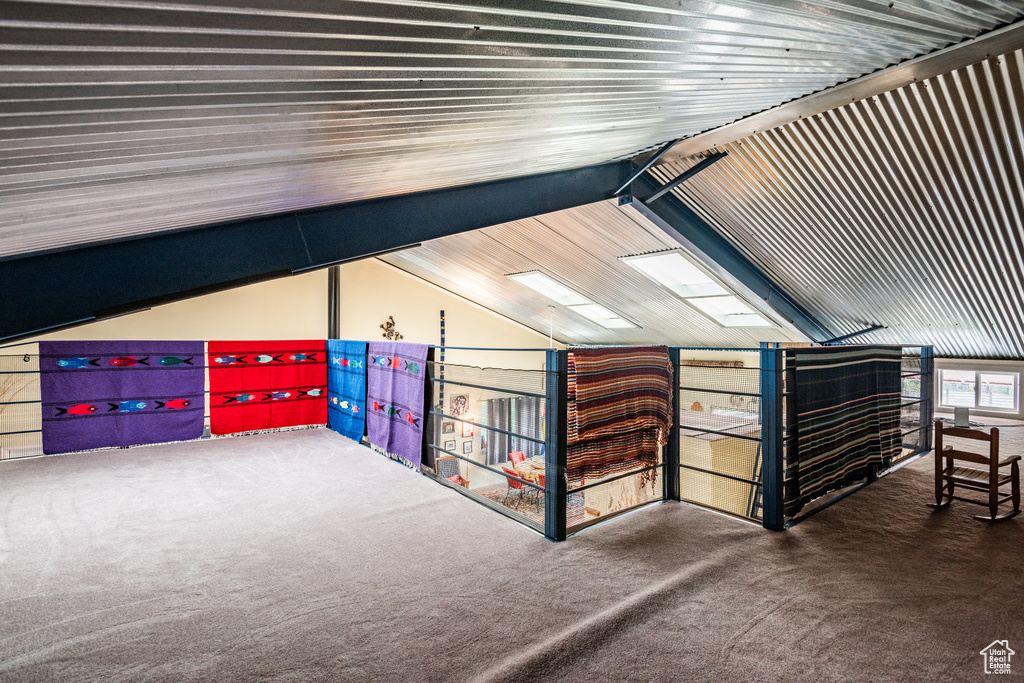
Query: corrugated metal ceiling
123	117
904	209
579	247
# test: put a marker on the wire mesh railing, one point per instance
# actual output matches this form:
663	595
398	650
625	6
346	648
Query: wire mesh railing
719	419
486	436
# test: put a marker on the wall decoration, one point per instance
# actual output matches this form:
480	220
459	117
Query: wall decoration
395	395
467	430
267	384
448	427
98	394
346	387
449	445
467	447
390	333
459	405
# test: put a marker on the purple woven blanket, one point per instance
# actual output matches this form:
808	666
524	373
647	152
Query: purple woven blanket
98	394
396	376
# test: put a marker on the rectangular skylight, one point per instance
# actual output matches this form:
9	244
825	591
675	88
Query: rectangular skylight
676	272
601	315
729	311
549	287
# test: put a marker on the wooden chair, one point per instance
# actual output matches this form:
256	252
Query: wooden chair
988	479
447	467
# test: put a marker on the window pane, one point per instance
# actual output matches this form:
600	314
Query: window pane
998	391
958	388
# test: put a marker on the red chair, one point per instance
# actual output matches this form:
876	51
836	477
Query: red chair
513	484
517	458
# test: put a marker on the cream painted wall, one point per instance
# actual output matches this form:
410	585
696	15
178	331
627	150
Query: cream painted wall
286	308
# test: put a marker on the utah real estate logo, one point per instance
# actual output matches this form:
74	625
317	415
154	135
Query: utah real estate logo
997	657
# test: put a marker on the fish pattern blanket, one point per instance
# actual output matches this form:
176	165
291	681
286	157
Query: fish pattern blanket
843	417
346	387
99	394
620	410
396	379
267	384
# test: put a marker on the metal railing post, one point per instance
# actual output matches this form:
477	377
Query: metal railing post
927	396
555	484
672	452
772	473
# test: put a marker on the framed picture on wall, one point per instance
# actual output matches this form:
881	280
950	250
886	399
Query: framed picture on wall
459	405
467	429
467	447
449	445
448	427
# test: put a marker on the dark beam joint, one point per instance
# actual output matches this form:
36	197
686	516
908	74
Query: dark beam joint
650	162
686	175
836	340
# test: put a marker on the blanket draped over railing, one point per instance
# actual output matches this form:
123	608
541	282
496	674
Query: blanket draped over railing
843	418
98	394
346	387
620	409
267	384
395	396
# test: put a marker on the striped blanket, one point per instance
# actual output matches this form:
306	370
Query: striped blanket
620	408
843	418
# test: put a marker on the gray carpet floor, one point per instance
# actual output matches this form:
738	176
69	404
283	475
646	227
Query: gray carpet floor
304	557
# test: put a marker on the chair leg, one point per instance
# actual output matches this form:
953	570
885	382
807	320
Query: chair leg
1015	486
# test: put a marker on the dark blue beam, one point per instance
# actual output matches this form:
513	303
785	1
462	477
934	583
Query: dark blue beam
54	290
690	230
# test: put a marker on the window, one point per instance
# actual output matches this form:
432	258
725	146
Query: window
970	389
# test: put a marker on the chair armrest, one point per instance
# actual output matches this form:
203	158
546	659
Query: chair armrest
1009	460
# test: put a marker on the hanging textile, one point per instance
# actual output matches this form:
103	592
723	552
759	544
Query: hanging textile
395	399
267	384
98	394
843	417
620	408
346	387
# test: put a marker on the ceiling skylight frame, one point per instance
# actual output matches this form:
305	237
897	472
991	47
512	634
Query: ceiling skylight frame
697	287
566	296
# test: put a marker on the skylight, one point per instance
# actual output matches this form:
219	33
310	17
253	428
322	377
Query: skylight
601	315
729	311
676	272
552	289
559	293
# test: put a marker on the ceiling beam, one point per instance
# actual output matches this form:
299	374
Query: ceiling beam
972	51
49	291
723	259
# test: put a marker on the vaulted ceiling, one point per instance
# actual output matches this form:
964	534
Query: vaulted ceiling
873	171
132	117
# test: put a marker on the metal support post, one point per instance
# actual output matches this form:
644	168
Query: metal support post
557	405
672	452
334	302
927	396
772	472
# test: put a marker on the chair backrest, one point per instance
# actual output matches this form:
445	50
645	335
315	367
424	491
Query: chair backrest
512	482
517	457
447	466
991	460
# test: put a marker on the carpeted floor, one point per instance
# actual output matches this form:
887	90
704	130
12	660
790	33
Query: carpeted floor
304	557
